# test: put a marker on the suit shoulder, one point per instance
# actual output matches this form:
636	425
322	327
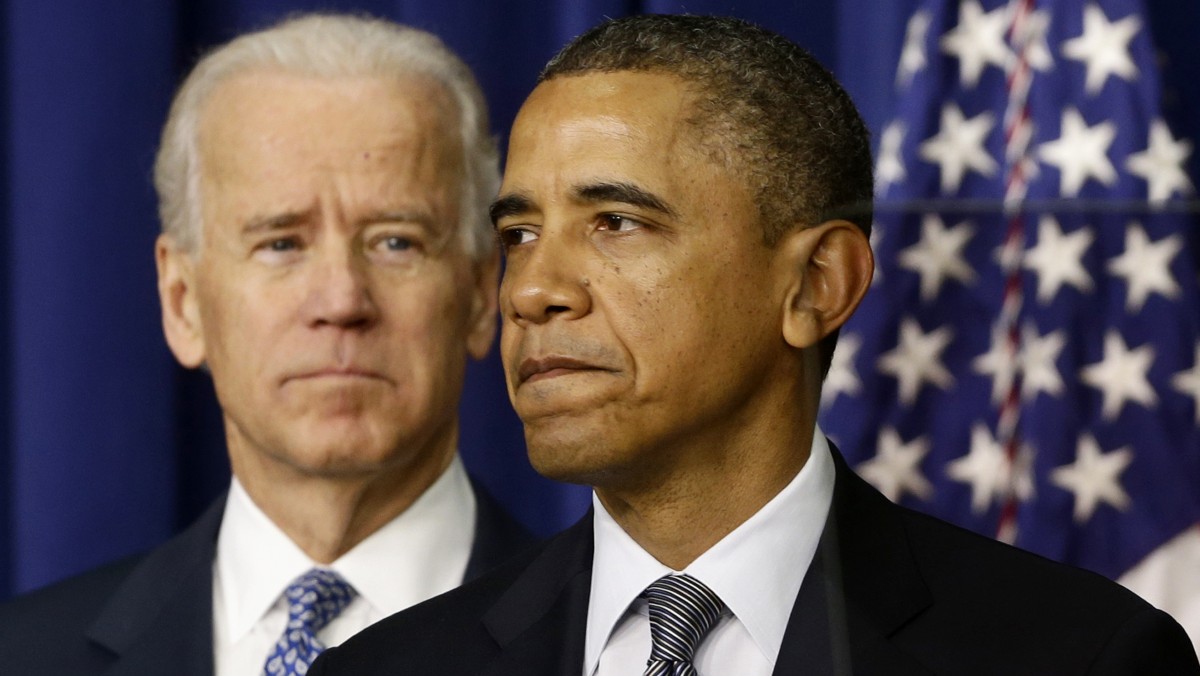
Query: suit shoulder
989	596
74	600
51	623
78	626
953	556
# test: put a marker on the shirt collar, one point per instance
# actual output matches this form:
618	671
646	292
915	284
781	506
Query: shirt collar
757	569
256	560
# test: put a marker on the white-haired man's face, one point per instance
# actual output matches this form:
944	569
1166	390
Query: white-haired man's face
330	296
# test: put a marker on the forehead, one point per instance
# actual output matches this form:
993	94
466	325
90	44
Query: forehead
637	97
632	123
280	119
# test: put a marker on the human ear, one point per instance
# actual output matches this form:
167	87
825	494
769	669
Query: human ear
481	329
831	266
177	294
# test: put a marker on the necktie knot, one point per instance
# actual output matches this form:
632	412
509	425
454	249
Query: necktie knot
314	599
682	611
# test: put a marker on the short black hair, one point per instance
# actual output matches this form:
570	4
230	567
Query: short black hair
764	106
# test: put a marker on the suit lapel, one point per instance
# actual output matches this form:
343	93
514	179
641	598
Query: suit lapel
862	587
540	621
816	640
160	619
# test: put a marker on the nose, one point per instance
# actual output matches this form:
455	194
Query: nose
546	282
340	292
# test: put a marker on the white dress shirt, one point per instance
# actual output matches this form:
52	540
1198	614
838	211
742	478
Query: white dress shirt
419	554
756	570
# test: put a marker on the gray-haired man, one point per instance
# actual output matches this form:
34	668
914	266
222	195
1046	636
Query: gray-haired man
326	255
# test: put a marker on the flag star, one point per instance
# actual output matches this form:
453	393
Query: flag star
1035	362
842	377
1121	375
1188	382
890	167
939	255
982	467
1146	266
989	472
1058	259
896	468
1038	354
1081	152
917	359
1029	37
912	56
1010	252
876	237
1000	362
1161	164
958	146
977	40
1104	47
1094	477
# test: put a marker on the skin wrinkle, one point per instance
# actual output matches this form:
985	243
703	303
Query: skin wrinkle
694	373
337	358
417	149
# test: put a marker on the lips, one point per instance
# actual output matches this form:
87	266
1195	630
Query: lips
348	372
552	366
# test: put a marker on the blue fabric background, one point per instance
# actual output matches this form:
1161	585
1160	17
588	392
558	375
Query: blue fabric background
106	446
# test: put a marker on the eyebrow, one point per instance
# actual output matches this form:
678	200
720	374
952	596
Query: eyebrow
257	224
420	217
625	193
518	203
512	204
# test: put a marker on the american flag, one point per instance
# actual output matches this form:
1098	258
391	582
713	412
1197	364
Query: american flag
1027	364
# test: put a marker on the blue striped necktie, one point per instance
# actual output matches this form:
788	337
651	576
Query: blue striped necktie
313	599
682	610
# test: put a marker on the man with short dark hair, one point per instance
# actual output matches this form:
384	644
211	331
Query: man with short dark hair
685	214
326	255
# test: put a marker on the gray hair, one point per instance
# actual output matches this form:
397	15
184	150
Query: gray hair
327	45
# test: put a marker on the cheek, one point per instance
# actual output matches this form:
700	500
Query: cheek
510	338
682	329
657	323
429	321
231	320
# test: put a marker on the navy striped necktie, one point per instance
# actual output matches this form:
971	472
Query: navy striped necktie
682	610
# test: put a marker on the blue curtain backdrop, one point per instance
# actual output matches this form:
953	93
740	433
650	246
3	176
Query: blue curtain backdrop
106	446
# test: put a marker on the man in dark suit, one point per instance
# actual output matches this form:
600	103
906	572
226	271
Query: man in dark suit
685	212
327	256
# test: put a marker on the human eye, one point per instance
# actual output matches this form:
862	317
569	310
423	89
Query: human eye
516	235
618	223
278	249
397	243
395	247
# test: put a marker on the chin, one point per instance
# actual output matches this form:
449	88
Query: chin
562	453
335	462
337	450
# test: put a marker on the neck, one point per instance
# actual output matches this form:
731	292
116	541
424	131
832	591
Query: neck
679	517
327	515
703	488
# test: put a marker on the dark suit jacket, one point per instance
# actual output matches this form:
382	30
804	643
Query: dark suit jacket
890	591
152	614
